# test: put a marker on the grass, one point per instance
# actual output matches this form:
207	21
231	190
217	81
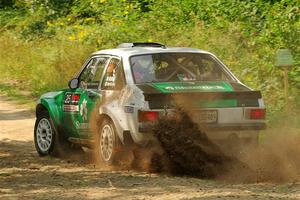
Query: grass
39	66
19	96
47	64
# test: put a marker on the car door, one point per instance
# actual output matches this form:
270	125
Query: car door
112	84
78	103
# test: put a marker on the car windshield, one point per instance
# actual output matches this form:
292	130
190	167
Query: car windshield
174	67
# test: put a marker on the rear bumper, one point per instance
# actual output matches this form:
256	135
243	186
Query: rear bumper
235	127
146	128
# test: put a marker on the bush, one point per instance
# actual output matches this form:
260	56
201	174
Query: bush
53	37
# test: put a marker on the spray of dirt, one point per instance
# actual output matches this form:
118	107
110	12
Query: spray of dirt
192	153
128	157
189	149
184	149
95	122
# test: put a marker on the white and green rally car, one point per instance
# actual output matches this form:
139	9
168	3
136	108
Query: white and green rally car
135	84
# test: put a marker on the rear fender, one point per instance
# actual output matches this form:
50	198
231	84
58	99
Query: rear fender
118	118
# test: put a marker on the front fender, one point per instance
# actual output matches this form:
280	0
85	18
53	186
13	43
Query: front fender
52	102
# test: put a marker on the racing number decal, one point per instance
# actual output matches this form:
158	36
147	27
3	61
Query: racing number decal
72	105
68	98
71	102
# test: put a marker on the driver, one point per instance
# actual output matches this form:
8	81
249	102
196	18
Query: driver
110	75
111	68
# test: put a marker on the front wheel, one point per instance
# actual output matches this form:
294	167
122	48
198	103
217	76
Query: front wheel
44	135
108	142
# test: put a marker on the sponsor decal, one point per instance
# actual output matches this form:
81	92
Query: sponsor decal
110	81
197	87
77	124
83	110
205	86
71	102
71	108
82	125
169	88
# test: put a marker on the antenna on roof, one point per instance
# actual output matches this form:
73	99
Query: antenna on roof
141	44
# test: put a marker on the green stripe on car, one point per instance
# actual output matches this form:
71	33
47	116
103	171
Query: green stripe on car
205	86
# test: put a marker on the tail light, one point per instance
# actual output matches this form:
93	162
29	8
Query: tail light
256	113
147	116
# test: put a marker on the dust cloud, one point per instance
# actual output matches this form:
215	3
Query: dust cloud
184	149
276	159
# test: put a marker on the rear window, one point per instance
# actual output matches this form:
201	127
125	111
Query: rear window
173	67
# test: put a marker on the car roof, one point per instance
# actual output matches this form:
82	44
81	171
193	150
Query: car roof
127	52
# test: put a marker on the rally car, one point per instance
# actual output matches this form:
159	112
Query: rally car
134	85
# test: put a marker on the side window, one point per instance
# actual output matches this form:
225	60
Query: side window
90	77
114	76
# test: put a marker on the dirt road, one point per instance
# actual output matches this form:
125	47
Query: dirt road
25	175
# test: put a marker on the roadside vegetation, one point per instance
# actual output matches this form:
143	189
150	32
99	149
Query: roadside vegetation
44	42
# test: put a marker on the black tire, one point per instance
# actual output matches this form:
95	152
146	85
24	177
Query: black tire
44	134
108	143
59	146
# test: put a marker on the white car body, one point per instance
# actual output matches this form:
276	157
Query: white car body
123	106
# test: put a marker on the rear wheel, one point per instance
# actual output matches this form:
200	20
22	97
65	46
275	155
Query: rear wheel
108	142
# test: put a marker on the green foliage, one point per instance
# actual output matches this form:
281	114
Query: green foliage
7	3
42	37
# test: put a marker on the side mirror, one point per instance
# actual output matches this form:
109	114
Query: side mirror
73	84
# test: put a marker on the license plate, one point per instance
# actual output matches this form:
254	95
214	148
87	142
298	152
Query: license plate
207	116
